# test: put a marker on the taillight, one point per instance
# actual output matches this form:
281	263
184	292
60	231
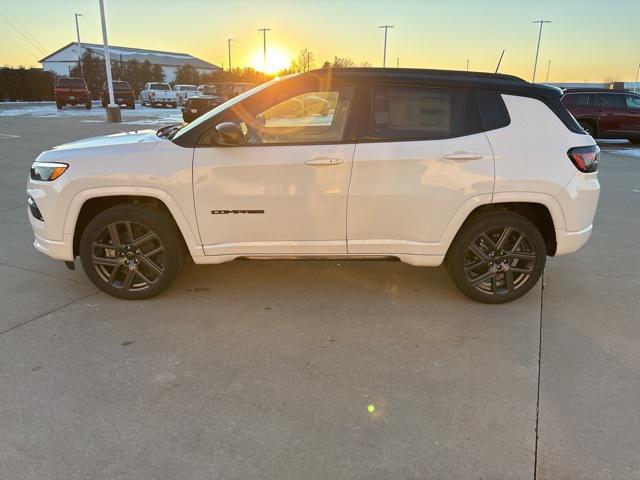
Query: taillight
585	158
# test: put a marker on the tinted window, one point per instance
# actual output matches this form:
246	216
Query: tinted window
71	83
412	113
582	99
614	100
633	101
118	85
493	111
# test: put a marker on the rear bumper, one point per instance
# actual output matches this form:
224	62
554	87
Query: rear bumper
569	242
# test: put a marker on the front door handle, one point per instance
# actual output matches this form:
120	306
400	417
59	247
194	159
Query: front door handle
323	161
464	156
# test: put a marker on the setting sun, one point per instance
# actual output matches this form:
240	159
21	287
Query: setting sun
277	60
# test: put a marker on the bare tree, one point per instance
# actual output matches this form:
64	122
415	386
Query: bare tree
366	63
339	63
611	78
304	62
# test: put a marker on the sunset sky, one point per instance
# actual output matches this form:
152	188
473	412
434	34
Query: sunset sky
588	39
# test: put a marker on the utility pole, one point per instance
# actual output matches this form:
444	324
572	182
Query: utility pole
467	64
384	54
542	21
79	45
264	44
113	111
548	68
229	40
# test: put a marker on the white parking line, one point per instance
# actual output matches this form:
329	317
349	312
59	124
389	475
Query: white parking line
6	135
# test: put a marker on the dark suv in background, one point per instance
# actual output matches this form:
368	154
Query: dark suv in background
605	113
122	94
72	91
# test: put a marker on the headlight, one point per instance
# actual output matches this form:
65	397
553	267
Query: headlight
47	171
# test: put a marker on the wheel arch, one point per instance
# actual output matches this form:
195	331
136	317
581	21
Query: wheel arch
89	203
537	213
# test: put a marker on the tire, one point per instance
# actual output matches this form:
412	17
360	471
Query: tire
132	106
174	105
589	127
503	252
88	105
135	268
59	105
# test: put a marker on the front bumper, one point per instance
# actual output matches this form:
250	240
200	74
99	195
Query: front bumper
59	250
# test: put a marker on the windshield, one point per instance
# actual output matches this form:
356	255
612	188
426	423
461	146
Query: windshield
159	86
229	103
189	88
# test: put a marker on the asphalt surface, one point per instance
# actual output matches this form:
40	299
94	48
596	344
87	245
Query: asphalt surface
317	369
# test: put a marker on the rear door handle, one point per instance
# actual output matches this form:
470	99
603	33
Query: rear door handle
323	161
464	156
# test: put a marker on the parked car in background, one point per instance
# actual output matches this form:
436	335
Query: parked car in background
184	91
212	95
200	104
72	91
426	166
158	94
122	94
605	113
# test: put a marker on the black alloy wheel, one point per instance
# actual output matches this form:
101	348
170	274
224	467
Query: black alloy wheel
497	258
131	251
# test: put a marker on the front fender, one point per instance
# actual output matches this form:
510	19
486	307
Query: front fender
188	231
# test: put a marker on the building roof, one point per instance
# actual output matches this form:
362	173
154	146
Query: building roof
159	57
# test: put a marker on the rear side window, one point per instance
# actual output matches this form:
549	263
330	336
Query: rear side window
582	100
417	113
493	111
614	100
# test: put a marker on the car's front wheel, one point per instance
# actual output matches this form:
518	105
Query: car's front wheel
131	251
496	257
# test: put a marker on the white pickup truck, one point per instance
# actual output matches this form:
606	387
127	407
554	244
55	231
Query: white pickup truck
157	93
185	91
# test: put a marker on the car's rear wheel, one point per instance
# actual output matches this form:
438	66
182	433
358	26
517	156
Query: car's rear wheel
635	140
131	251
497	257
59	105
88	105
588	127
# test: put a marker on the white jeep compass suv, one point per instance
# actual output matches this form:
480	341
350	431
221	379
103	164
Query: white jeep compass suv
486	173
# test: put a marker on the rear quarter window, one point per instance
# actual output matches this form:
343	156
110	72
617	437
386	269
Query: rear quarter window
493	111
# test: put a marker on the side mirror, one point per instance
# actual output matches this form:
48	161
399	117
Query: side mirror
229	134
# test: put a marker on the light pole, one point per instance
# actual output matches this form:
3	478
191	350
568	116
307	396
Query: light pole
397	62
467	64
384	54
635	86
229	40
79	46
264	44
548	69
113	111
542	21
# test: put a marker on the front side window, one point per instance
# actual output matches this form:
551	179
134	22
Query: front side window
633	101
413	113
582	100
310	117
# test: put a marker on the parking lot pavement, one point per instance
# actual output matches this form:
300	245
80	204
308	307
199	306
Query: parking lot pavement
316	369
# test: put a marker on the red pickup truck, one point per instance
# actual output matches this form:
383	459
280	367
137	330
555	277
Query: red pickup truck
605	113
72	91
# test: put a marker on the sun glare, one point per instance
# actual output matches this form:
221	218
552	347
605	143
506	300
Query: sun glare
276	60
